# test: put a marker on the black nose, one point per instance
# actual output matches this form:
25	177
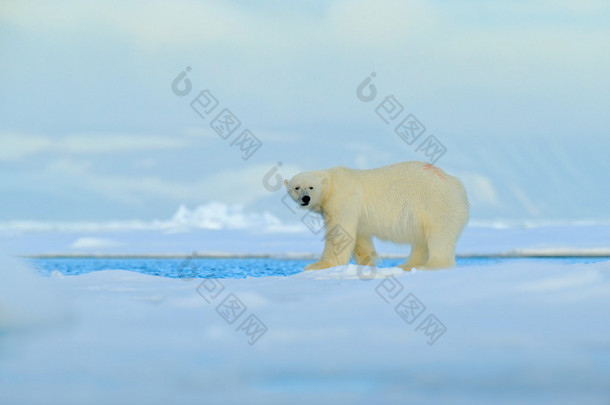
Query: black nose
305	199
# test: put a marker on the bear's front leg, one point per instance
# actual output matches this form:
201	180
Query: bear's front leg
319	265
340	239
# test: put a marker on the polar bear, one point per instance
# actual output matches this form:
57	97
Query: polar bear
409	203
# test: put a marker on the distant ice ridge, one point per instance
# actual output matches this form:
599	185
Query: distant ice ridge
221	216
217	216
211	216
534	223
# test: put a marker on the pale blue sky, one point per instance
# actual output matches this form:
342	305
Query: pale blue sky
518	92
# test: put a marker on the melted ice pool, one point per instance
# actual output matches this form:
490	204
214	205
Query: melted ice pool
237	267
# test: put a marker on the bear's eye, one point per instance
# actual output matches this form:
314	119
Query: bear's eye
311	188
297	188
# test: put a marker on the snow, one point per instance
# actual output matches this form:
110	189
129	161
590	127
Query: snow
514	333
26	299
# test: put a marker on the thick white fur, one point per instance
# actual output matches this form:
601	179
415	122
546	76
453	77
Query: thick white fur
411	202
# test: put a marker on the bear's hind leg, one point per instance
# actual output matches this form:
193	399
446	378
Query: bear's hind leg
364	252
417	258
441	252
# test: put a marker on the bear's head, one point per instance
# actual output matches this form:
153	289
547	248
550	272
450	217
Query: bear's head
308	189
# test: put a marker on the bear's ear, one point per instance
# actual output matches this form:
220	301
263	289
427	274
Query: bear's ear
324	180
286	183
